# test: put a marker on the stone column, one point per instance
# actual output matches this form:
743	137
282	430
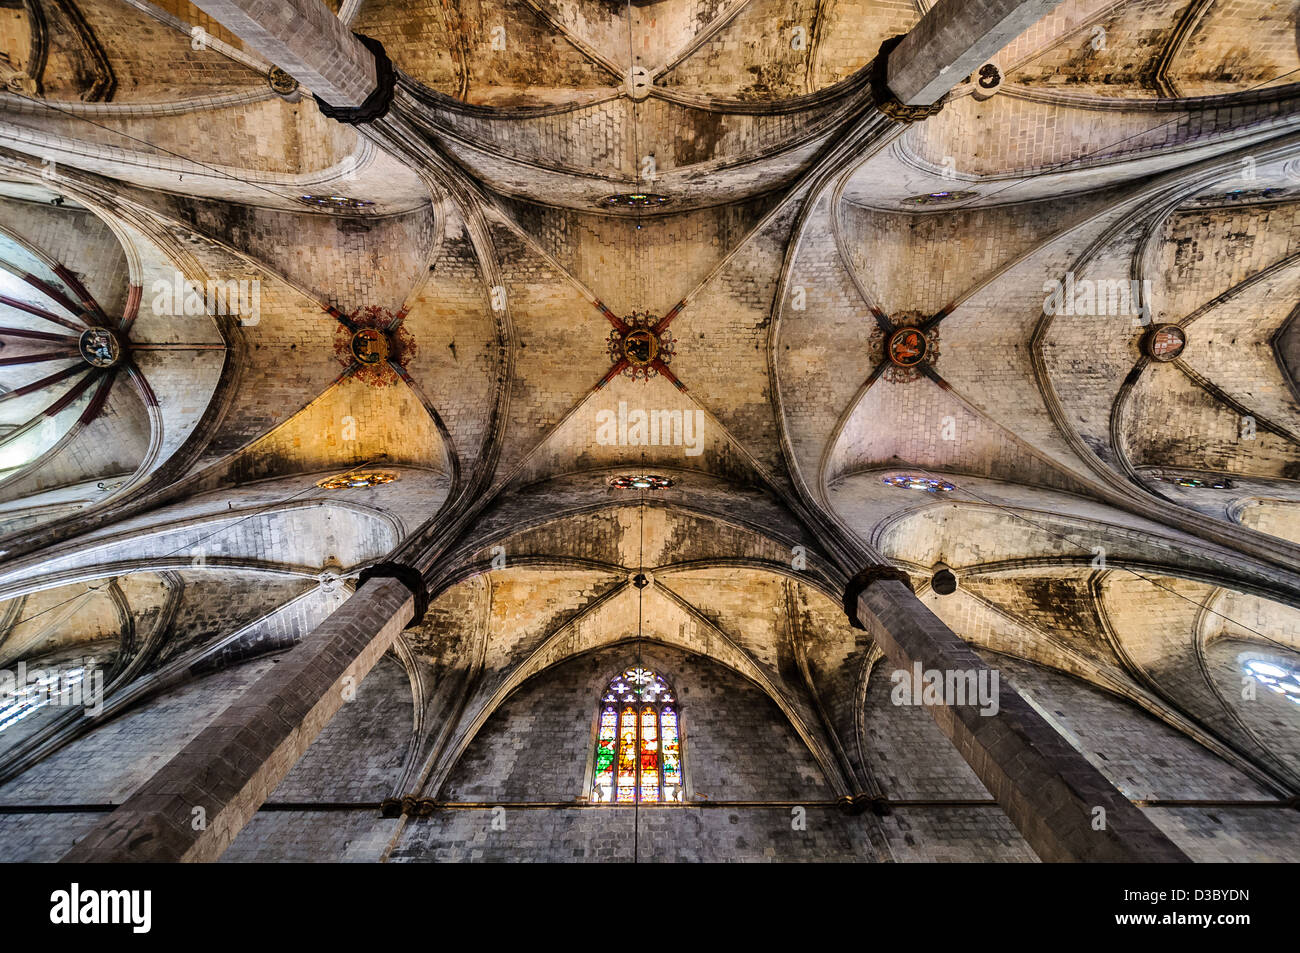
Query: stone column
304	39
1048	790
199	801
953	39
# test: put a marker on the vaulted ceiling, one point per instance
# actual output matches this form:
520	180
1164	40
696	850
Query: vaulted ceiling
165	511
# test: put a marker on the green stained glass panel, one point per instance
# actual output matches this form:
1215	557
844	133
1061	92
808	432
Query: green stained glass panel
604	785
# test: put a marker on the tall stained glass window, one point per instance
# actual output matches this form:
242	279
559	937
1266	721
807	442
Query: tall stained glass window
638	742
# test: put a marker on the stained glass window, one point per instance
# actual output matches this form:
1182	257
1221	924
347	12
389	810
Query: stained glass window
627	757
638	742
1284	681
44	687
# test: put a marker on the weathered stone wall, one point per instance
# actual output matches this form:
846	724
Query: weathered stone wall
357	758
108	764
688	834
359	755
737	744
536	748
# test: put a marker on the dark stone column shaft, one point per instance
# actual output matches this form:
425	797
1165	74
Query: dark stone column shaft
953	39
196	804
306	40
1048	790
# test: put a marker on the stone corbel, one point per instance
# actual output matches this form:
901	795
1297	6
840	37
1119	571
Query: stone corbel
886	101
865	578
377	103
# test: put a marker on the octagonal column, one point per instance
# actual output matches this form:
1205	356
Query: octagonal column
305	40
1063	806
953	39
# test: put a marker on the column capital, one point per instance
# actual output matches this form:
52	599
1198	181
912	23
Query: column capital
408	576
376	104
885	100
305	39
865	578
951	41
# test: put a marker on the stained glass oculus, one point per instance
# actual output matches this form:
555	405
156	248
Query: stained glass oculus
340	202
354	481
1196	483
909	481
638	742
640	481
937	198
634	200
